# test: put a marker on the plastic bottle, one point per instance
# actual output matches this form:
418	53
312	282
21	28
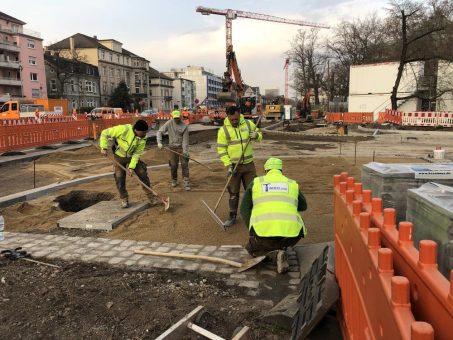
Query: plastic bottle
2	227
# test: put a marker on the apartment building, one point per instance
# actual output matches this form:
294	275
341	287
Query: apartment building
74	80
22	72
114	64
207	84
160	90
184	92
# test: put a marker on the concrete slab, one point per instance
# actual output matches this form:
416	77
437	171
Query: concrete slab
104	215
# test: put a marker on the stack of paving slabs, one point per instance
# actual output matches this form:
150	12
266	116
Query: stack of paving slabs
430	209
391	181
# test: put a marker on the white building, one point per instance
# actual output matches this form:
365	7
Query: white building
184	90
370	87
207	84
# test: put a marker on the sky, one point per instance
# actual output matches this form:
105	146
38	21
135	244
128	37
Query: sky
170	34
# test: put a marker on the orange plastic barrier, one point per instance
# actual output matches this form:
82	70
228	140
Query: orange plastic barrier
27	134
349	117
333	117
362	265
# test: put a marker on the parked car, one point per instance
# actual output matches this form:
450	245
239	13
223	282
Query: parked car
149	112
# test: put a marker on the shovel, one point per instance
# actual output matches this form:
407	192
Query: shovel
165	200
241	266
212	211
180	154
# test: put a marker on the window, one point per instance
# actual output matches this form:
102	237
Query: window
14	106
32	60
35	93
88	86
117	58
111	72
34	76
104	86
72	85
30	43
102	55
89	70
74	104
104	71
53	85
137	89
111	57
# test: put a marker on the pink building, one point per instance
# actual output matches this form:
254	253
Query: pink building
22	70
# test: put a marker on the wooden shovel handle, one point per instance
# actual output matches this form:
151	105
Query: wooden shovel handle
190	256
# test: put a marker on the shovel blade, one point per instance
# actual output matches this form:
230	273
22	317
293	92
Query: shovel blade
251	263
166	203
213	215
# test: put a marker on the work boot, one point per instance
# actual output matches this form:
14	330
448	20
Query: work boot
282	262
231	221
125	203
186	184
174	183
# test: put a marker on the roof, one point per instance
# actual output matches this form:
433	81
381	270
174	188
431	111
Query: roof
10	18
63	63
153	73
80	41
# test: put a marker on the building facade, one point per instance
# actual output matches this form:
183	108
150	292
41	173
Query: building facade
22	71
160	90
76	81
114	64
207	84
184	92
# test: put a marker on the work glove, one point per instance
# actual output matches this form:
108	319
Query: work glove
253	135
231	171
160	146
186	156
104	152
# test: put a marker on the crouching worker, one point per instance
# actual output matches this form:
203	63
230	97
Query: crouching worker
128	145
270	209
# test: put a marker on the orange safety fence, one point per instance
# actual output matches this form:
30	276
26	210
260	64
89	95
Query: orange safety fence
349	117
385	289
21	136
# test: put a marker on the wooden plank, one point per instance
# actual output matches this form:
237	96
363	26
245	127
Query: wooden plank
243	334
203	332
179	329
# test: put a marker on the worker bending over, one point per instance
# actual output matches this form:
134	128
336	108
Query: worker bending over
232	139
178	143
128	146
270	209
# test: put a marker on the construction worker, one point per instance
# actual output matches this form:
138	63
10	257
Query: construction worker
232	139
178	144
270	209
128	145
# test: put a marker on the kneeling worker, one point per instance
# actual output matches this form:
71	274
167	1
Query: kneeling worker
270	208
128	146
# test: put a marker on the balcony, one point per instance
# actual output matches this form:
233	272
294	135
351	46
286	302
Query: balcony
4	63
9	47
10	81
168	98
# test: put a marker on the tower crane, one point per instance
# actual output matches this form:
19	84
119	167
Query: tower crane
234	91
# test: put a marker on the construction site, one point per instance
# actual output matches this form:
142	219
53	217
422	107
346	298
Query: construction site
172	258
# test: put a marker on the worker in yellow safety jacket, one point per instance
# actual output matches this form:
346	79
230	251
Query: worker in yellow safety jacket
232	139
270	208
128	146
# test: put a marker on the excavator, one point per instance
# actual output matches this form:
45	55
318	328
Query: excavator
233	91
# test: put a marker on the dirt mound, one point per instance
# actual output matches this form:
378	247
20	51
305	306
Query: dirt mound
77	200
27	208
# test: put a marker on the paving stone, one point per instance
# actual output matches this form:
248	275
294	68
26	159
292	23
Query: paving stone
131	263
181	246
293	275
70	257
252	292
194	246
87	258
120	249
238	276
136	257
293	269
225	270
204	253
84	250
209	248
176	264
208	267
231	282
192	266
163	249
29	245
126	253
250	284
155	244
42	253
94	245
146	262
116	260
231	246
106	247
115	242
143	243
170	245
128	243
109	253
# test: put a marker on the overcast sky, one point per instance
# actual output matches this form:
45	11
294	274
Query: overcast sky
171	34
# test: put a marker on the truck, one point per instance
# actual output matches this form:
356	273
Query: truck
31	108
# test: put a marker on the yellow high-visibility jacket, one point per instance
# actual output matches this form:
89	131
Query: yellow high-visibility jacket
231	141
126	143
275	206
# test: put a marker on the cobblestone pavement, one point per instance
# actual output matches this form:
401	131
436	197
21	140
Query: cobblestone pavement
261	280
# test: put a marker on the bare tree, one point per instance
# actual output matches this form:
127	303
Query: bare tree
309	61
424	34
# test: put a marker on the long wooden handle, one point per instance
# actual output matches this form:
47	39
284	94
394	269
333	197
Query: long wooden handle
190	256
180	154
